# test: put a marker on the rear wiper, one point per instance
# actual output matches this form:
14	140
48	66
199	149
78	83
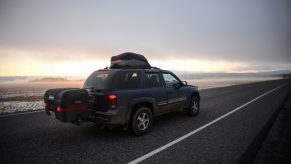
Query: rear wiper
89	88
93	89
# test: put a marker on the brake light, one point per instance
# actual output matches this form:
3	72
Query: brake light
59	109
112	98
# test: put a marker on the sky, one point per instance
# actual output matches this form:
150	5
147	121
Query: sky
74	38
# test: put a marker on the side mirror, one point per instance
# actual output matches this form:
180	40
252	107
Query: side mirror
184	83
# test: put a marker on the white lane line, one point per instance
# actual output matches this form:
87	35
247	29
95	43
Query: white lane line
15	114
148	155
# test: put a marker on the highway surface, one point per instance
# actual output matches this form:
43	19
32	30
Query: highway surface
229	121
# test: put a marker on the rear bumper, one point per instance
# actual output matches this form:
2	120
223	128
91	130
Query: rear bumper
111	117
69	116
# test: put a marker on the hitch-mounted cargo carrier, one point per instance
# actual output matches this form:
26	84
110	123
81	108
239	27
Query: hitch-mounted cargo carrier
67	104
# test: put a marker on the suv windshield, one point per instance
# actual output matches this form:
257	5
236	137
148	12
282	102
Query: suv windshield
98	80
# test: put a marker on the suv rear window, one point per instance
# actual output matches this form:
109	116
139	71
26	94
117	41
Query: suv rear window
127	80
99	80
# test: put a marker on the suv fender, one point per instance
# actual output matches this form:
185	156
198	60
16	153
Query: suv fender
142	101
192	94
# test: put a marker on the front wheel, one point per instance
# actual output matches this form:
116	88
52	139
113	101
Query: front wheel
142	121
194	106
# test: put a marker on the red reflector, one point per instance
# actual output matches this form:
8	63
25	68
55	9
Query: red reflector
112	98
59	109
45	105
80	107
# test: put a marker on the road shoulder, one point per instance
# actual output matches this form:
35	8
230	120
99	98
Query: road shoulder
277	145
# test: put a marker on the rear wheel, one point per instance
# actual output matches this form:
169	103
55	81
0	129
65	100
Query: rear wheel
142	121
194	106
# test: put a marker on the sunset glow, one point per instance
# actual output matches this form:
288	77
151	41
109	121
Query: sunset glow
65	38
20	63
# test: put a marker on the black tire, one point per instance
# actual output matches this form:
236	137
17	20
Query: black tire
194	107
141	121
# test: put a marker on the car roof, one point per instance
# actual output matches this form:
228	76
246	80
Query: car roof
137	69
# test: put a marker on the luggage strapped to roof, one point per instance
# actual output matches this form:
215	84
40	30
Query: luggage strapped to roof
129	60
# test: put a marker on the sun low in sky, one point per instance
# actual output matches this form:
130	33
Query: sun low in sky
74	38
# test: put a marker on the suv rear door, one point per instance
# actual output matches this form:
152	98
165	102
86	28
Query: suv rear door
97	85
176	96
153	85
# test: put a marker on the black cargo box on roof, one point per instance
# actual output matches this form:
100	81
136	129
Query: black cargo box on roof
129	60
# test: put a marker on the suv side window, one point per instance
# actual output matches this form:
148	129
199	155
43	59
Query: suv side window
170	80
127	80
152	80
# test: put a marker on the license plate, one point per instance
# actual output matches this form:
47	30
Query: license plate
51	97
52	114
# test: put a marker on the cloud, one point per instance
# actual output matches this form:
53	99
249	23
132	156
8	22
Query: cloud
230	30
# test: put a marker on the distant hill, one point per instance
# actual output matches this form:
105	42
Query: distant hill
24	79
182	74
50	79
276	73
281	73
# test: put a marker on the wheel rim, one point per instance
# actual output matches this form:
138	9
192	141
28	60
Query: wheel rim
195	106
143	121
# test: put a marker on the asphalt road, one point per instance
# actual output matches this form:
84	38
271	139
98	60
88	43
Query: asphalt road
229	120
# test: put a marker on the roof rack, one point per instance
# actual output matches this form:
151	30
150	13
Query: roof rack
133	68
155	68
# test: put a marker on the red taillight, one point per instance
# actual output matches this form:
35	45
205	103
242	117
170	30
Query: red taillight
59	109
112	98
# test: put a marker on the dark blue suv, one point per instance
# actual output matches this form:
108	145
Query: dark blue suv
133	97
